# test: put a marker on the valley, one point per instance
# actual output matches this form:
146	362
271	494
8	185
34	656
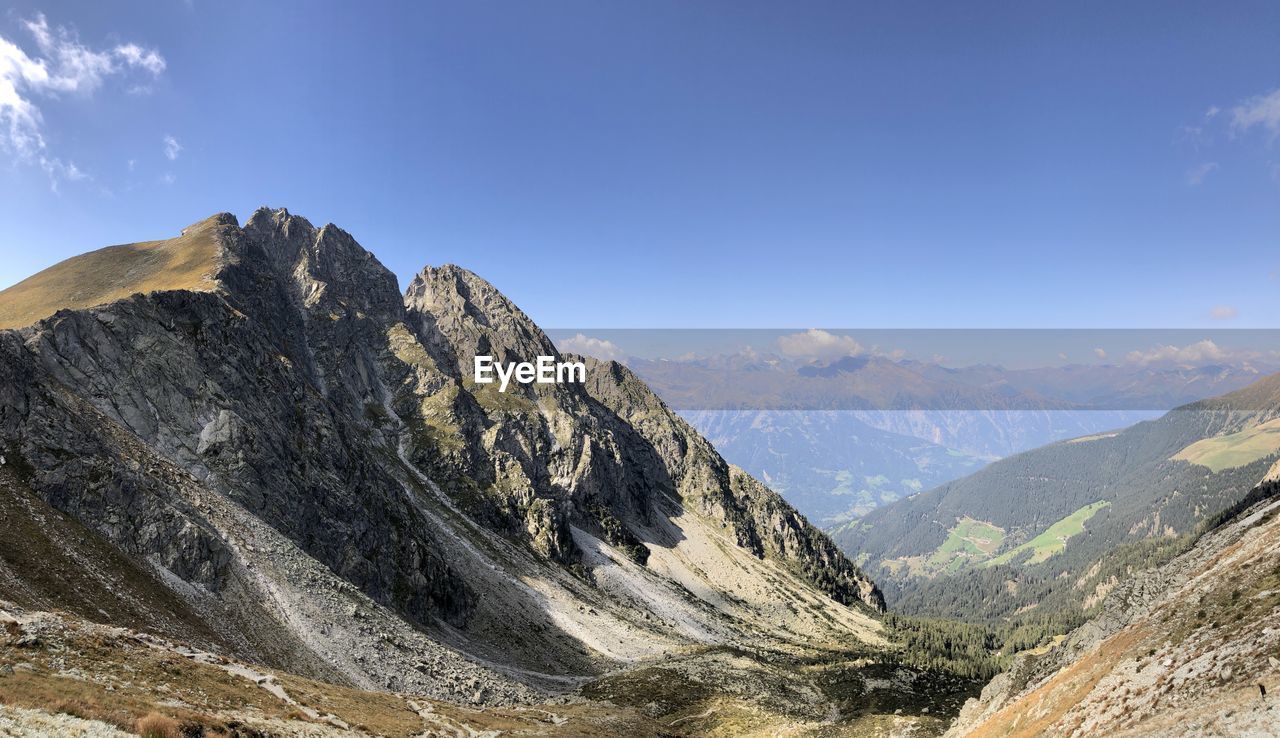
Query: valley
271	492
639	370
1075	517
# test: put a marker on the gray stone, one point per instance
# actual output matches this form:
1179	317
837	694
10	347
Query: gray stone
306	432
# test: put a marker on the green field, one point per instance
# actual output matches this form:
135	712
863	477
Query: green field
968	543
1053	539
1234	449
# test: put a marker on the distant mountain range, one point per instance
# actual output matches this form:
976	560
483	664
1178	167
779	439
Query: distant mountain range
839	438
755	381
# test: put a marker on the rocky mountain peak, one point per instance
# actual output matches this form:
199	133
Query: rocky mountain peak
298	450
331	272
267	220
474	316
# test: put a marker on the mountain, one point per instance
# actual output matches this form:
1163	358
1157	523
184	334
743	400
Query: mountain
1185	649
869	383
829	464
839	438
246	440
1049	532
187	262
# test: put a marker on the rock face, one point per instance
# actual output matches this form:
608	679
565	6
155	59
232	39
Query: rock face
299	453
1186	649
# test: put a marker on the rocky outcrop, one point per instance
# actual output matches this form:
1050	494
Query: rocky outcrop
300	452
609	454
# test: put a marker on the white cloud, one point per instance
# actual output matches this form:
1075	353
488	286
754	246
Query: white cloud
171	148
818	344
62	65
1196	175
1212	112
1223	312
1197	352
1100	353
167	178
140	58
588	346
1258	111
57	170
1205	352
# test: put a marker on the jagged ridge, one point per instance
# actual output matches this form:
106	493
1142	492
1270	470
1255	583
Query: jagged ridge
299	451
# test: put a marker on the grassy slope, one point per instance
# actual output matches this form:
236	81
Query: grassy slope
187	262
969	542
969	538
973	542
1054	538
1234	449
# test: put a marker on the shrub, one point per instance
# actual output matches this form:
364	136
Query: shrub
155	725
74	708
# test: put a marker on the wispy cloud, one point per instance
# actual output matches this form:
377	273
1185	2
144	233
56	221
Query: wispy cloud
58	170
136	56
1197	174
587	346
1260	111
62	65
1201	134
1223	312
818	344
171	148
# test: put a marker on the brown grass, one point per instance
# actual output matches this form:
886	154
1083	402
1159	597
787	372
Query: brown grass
297	715
187	262
74	708
155	725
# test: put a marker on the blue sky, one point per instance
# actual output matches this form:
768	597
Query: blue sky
684	164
